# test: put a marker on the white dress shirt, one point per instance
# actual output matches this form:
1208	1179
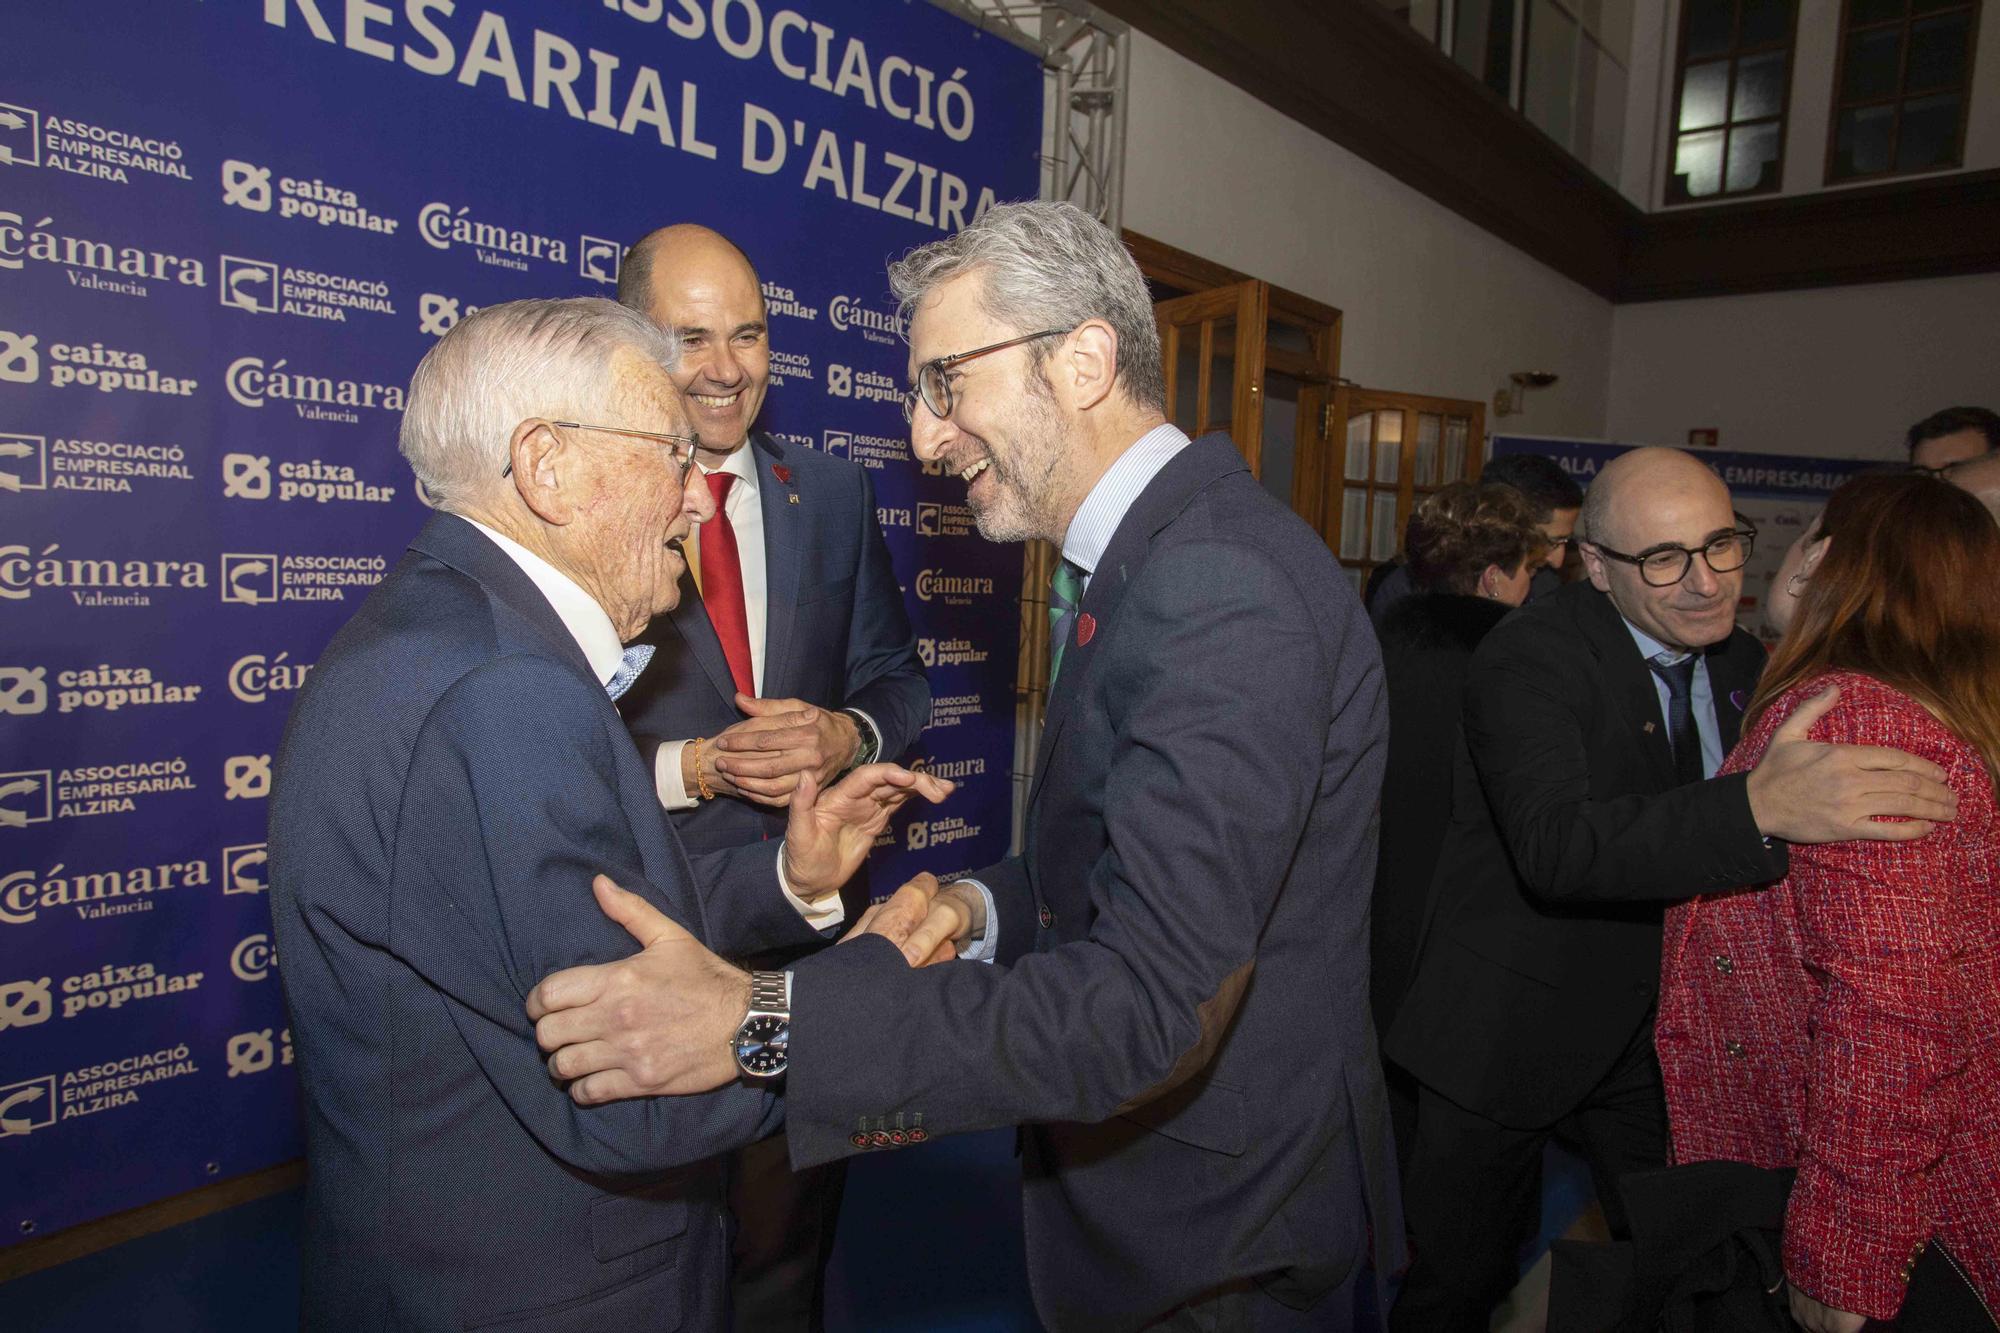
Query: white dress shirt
588	624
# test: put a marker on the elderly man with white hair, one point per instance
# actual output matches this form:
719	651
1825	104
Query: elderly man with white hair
453	777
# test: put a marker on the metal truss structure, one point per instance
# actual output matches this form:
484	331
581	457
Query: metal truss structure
1085	61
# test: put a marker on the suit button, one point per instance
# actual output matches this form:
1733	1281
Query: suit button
898	1137
918	1135
1048	918
1724	964
879	1139
1736	1049
858	1139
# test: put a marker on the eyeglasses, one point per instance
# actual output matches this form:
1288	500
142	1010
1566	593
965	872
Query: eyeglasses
933	385
1665	565
680	448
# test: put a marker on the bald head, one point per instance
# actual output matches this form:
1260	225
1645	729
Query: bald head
1646	503
1981	476
697	283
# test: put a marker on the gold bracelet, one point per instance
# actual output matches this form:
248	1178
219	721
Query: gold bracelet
701	779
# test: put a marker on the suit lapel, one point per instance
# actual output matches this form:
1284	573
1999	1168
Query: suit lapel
1630	681
1186	475
783	529
1732	676
690	620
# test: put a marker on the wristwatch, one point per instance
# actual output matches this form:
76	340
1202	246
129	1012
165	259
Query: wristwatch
871	748
762	1045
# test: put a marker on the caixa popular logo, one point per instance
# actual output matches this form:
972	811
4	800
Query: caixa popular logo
246	777
437	315
248	185
443	226
254	677
255	1052
24	690
92	581
254	382
248	477
246	868
86	366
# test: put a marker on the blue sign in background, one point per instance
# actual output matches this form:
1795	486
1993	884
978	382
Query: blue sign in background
228	232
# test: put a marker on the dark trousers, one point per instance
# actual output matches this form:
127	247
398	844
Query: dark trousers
1246	1307
784	1235
1474	1189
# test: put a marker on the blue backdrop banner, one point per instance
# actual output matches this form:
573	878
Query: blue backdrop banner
228	232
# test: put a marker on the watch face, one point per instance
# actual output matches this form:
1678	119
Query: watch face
761	1044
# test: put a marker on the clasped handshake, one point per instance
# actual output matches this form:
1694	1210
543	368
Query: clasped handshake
660	1021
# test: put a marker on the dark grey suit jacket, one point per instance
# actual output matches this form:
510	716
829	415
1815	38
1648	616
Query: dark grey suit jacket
1568	833
1203	811
836	635
452	777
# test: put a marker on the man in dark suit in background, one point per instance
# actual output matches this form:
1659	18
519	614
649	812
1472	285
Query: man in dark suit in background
452	776
1956	435
1557	501
1178	1010
1582	800
799	623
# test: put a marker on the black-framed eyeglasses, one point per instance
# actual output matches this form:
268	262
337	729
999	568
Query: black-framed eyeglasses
933	379
1665	565
680	448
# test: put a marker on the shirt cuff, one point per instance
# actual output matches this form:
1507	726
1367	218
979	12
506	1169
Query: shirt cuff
823	916
667	777
983	949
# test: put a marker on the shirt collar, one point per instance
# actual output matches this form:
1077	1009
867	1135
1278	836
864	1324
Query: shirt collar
736	463
585	620
1098	517
1653	650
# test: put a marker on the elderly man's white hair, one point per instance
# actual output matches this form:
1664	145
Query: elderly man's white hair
503	364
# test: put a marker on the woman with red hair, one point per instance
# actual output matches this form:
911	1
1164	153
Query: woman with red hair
1845	1020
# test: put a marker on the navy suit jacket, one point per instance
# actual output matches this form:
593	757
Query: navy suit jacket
835	635
1203	810
452	777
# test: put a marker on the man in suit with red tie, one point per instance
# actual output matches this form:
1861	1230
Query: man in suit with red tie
791	653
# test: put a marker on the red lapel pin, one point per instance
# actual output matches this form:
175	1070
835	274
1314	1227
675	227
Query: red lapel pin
1086	626
782	473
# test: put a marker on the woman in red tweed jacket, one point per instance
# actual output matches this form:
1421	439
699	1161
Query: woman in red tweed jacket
1846	1020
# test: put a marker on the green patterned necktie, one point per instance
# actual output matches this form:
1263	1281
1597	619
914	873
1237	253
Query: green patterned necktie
1065	591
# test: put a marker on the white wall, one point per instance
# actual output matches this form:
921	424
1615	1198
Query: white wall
1433	304
1808	112
1840	372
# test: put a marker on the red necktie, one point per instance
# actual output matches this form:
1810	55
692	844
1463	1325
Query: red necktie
722	585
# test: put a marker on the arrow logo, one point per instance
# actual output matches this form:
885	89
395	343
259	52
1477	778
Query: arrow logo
12	119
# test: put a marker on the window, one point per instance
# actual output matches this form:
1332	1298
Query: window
1733	78
1899	98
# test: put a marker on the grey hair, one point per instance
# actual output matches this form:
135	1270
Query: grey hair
1047	265
503	364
